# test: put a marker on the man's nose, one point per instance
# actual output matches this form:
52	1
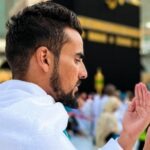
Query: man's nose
83	73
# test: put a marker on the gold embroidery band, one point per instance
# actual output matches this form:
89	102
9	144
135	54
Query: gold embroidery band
111	33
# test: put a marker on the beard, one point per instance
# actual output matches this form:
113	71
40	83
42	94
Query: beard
67	99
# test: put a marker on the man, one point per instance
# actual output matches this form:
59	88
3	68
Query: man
44	49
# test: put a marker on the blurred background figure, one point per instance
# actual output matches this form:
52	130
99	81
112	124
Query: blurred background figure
107	124
99	103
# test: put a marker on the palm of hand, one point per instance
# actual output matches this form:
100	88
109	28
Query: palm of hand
137	120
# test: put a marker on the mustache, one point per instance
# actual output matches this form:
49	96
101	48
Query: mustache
78	83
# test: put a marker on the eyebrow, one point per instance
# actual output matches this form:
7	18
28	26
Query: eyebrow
81	55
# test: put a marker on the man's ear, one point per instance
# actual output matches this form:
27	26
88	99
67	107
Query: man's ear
44	58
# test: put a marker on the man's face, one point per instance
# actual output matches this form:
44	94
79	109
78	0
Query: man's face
70	70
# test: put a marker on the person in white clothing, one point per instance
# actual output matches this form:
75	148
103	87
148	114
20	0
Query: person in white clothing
44	49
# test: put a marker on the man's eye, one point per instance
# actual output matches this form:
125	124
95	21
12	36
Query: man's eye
77	60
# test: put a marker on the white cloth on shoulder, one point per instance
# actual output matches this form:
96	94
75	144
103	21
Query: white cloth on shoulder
31	120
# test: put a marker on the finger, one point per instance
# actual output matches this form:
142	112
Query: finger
148	99
137	94
144	93
147	141
136	102
135	91
139	90
132	105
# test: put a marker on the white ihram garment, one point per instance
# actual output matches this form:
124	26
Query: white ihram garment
31	120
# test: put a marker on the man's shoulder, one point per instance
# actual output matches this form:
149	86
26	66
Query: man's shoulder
33	115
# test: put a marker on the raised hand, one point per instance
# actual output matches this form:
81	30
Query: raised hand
136	118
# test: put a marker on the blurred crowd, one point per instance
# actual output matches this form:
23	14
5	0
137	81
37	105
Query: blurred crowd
100	116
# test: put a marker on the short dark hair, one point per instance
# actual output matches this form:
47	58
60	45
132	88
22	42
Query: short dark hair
39	25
